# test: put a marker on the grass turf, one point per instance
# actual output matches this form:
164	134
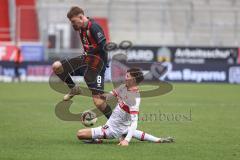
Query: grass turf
204	119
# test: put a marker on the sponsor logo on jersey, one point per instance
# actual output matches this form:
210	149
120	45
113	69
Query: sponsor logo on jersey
100	35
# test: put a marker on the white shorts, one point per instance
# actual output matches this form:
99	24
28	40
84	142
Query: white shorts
105	132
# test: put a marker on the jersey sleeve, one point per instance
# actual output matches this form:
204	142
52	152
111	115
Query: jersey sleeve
132	128
134	109
97	33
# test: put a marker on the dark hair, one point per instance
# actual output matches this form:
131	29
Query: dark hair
137	74
74	11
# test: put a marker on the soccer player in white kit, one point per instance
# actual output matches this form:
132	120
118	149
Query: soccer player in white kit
122	124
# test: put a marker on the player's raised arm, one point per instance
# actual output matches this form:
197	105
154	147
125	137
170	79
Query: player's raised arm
107	96
111	94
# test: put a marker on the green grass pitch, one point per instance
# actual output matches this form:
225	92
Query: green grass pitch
204	119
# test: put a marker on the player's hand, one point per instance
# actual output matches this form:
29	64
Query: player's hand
120	139
123	143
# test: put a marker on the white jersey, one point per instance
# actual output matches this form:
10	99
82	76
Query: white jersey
128	104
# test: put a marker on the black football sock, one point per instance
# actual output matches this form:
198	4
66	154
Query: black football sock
69	82
107	111
65	77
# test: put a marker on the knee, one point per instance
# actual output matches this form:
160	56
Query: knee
81	134
98	102
57	67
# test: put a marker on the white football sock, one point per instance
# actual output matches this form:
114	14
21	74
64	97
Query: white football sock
142	136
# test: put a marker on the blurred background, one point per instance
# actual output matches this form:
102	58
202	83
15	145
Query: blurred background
196	40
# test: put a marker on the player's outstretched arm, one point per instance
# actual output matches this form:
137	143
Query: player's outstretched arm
106	96
131	130
110	95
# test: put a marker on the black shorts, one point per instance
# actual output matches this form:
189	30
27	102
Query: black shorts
93	77
94	80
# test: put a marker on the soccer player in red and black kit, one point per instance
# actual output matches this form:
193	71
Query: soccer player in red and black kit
92	64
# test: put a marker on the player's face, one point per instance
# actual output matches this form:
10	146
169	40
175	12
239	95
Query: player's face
77	22
129	80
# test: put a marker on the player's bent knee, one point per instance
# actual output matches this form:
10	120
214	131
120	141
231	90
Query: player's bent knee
57	67
98	102
84	134
81	134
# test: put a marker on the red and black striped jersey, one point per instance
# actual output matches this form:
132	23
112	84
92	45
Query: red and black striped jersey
93	41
